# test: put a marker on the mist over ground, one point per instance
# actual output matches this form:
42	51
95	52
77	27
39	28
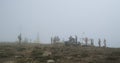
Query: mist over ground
97	19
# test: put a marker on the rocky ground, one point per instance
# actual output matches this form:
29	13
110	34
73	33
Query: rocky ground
62	54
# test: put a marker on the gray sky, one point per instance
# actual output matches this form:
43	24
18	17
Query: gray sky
97	18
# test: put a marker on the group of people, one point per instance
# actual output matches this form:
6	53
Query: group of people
74	41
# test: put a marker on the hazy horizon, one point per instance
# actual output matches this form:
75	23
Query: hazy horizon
97	19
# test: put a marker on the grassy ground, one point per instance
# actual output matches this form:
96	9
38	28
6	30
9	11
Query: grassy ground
64	54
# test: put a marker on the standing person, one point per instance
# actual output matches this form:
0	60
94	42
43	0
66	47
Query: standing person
20	38
86	41
51	40
99	42
92	42
104	42
76	39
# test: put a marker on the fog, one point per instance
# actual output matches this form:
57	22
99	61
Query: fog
95	18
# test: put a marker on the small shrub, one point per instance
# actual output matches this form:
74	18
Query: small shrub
3	55
21	49
112	57
116	53
85	54
36	54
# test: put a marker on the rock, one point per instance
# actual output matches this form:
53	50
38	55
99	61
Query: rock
47	53
50	61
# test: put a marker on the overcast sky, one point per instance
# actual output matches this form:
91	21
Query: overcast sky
96	18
